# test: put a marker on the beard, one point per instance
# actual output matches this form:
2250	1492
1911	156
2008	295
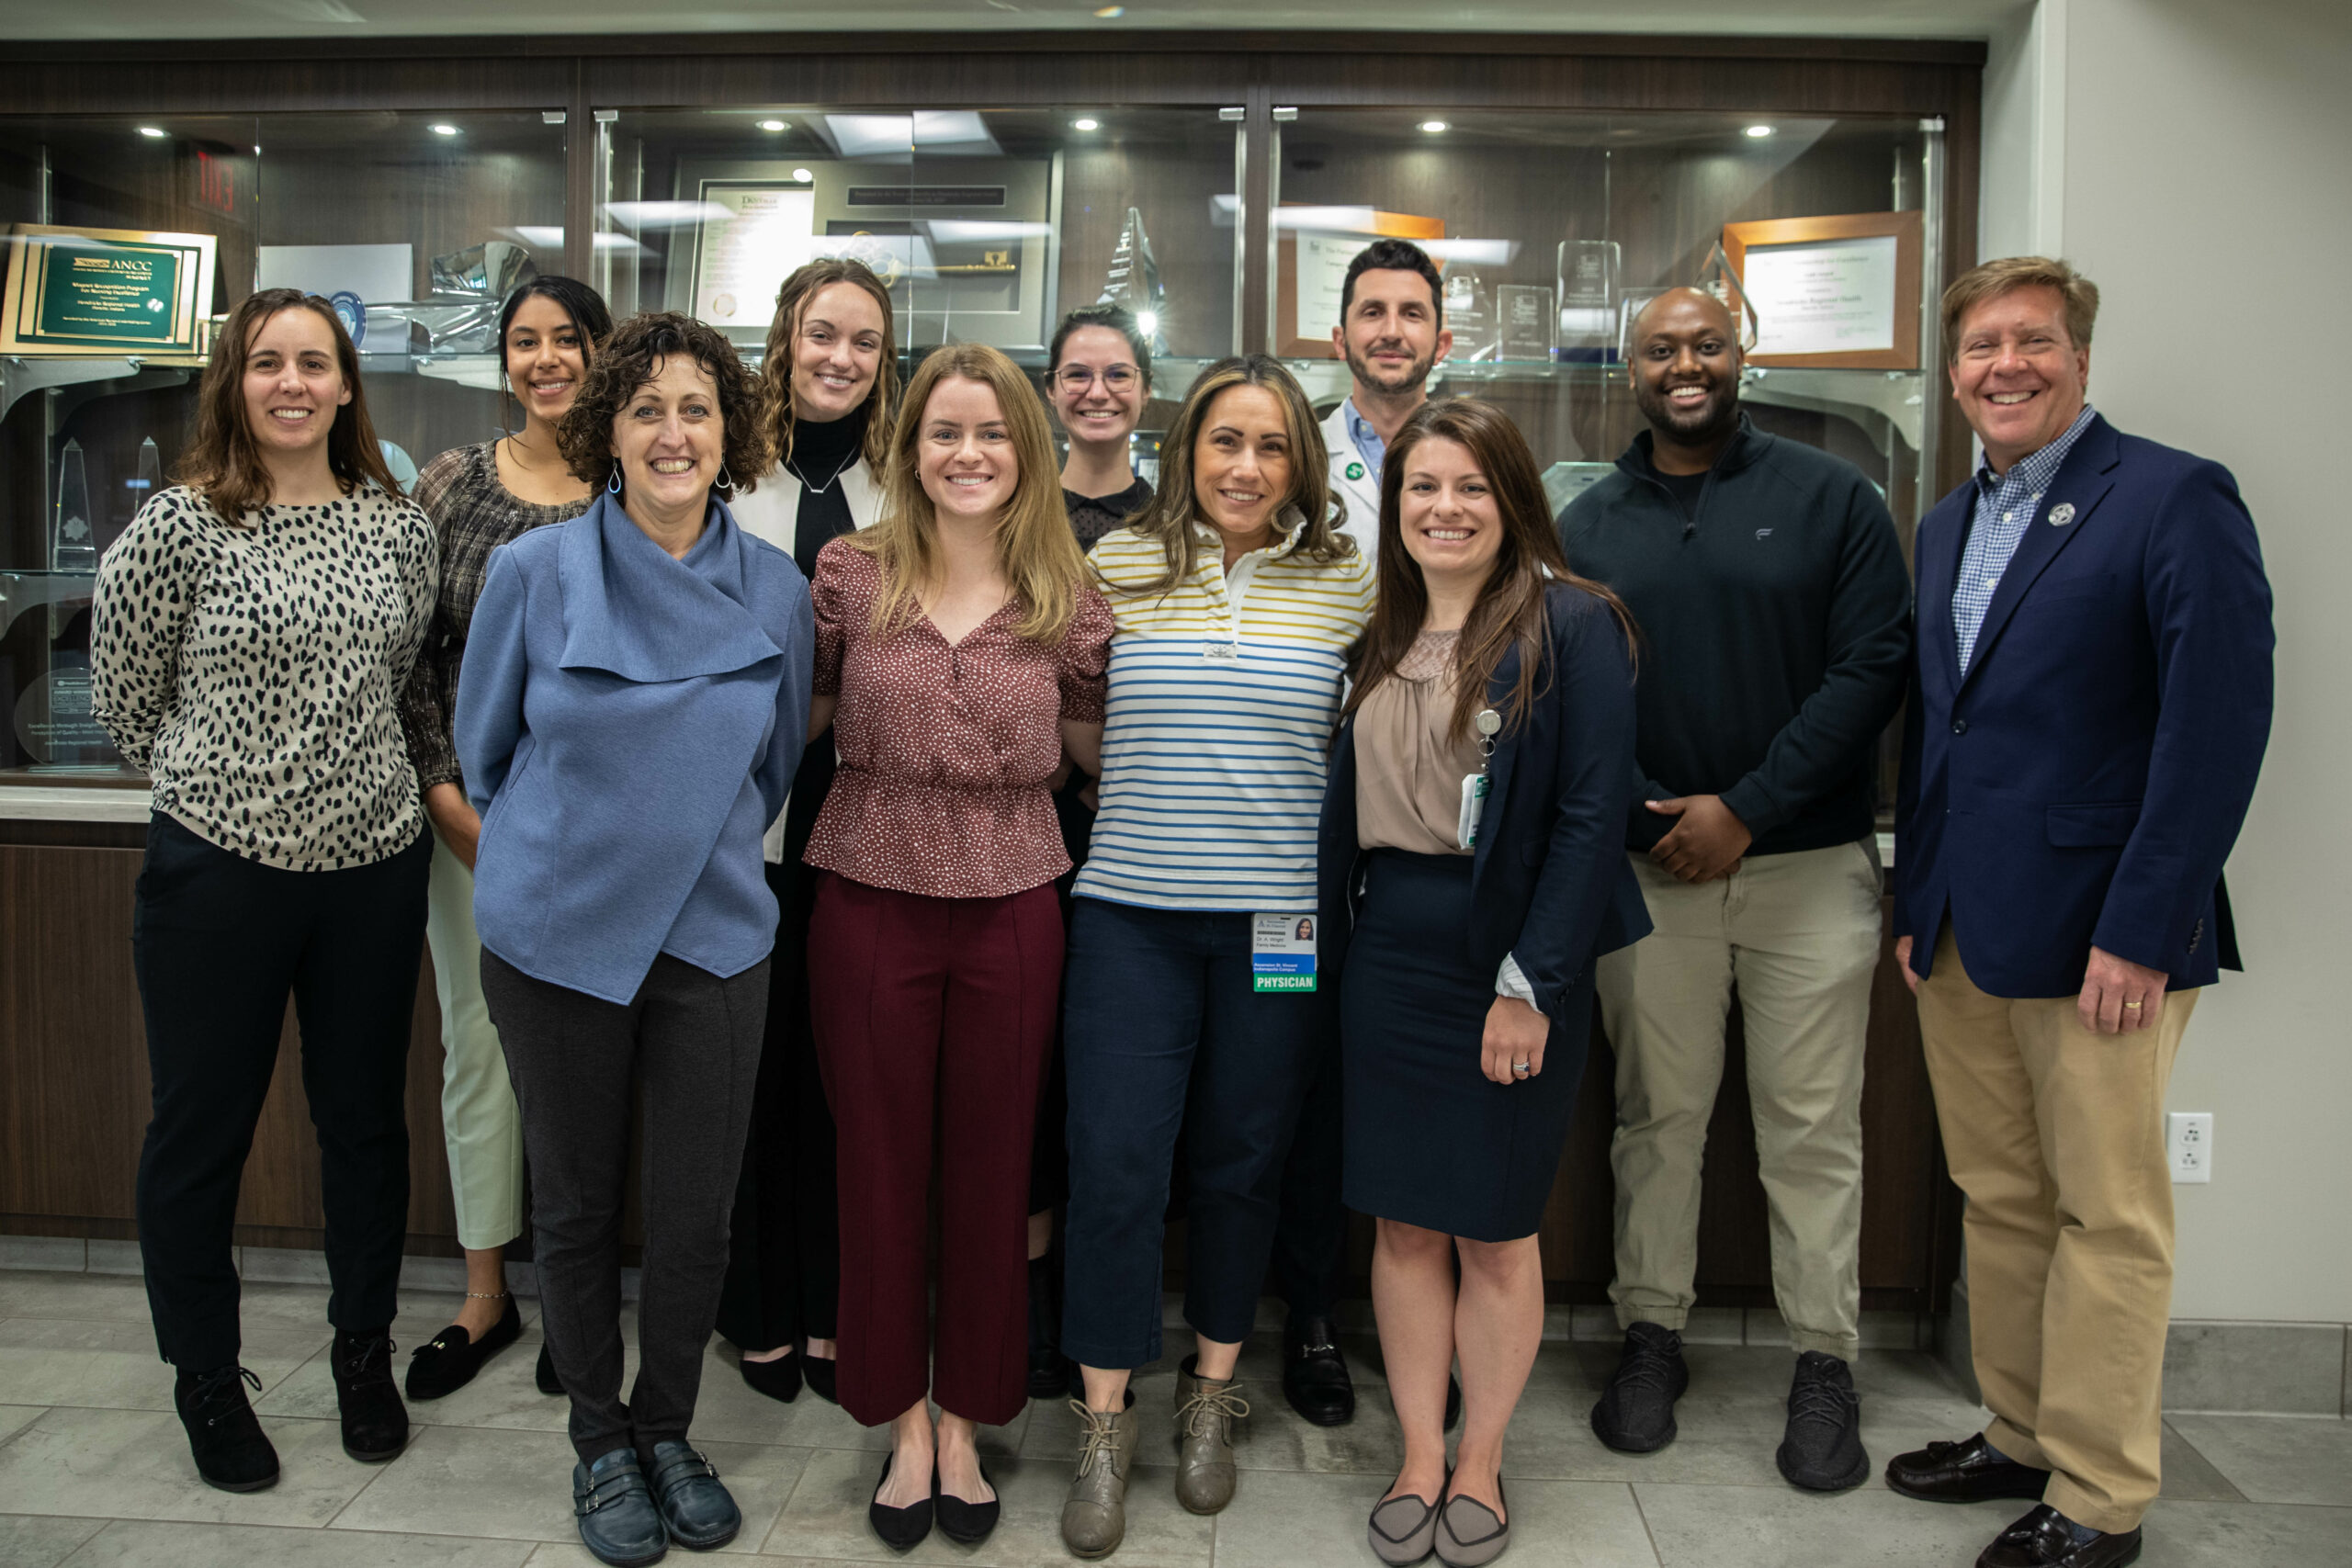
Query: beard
1713	417
1412	376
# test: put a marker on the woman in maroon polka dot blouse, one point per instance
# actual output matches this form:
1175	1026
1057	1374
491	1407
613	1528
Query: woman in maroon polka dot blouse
960	652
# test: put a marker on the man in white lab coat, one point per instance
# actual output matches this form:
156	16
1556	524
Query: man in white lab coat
1392	333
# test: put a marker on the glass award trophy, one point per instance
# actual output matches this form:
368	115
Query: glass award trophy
1133	281
72	543
1527	327
1587	299
1469	316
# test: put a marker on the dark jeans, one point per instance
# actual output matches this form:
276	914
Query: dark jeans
1313	1231
217	943
693	1040
1162	1033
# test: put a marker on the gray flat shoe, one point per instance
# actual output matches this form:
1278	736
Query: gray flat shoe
1469	1533
1403	1530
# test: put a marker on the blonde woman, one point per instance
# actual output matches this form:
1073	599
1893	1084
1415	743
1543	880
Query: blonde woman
959	653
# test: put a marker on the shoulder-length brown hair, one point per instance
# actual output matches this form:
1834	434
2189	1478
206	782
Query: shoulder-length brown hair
223	463
1172	513
776	412
1509	612
1034	547
633	357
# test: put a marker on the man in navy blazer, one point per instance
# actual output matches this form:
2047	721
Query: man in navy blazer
2090	704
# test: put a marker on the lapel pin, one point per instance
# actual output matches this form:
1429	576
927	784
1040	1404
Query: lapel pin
2061	514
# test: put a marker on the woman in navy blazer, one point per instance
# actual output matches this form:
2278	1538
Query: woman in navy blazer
633	702
1471	870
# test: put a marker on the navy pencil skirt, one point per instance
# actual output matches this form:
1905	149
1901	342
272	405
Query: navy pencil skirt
1431	1141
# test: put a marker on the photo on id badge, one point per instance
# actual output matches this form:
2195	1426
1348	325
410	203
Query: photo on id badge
1282	953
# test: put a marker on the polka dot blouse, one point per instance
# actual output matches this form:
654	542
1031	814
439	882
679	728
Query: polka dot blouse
253	672
946	749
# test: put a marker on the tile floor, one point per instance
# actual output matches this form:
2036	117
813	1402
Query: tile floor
94	1470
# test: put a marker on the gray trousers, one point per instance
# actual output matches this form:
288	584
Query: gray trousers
693	1040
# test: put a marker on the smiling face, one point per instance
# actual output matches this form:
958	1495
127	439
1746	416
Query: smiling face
547	355
292	384
966	460
1096	389
2017	375
1242	464
836	351
669	439
1686	368
1390	336
1452	524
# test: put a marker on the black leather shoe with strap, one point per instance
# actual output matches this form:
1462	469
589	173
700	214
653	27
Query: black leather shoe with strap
696	1508
1315	1375
1965	1472
618	1522
2046	1539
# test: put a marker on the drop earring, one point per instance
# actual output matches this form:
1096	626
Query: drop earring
726	479
613	485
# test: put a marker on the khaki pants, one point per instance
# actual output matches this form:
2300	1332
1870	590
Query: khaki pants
480	1124
2056	1135
1800	932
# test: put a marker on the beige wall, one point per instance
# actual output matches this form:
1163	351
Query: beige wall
2195	158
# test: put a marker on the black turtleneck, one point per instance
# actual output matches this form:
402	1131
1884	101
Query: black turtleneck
821	454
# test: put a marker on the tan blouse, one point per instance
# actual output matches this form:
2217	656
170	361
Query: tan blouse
1408	768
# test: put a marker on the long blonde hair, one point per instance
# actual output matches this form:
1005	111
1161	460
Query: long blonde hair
1171	513
776	410
1035	547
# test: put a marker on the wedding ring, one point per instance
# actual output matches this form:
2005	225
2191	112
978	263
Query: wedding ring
2132	1004
1519	1066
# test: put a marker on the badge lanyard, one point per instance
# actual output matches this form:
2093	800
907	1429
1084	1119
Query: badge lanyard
1475	786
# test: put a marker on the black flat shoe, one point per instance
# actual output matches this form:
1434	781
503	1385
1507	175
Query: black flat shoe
375	1422
966	1524
447	1362
902	1529
818	1370
544	1374
778	1379
1315	1375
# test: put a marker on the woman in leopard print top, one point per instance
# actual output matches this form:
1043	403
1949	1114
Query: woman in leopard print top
251	635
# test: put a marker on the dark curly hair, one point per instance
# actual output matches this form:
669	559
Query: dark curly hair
631	357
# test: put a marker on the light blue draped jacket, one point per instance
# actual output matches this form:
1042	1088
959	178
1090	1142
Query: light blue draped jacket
628	724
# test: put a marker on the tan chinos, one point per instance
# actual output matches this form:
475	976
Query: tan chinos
1800	935
2056	1135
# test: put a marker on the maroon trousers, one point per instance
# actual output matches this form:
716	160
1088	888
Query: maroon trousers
934	1018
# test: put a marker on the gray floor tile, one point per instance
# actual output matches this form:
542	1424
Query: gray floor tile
826	1519
44	1252
15	1418
2275	1460
2200	1535
258	1545
135	1464
2286	1369
113	1365
503	1394
1302	1521
1705	1527
2189	1476
122	1298
29	1542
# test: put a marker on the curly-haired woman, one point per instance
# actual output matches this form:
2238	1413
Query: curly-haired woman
633	701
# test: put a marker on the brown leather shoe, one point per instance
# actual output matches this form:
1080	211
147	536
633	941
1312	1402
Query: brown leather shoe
1966	1472
1094	1515
1205	1408
2043	1538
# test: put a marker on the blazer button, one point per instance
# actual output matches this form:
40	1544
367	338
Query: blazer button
1959	726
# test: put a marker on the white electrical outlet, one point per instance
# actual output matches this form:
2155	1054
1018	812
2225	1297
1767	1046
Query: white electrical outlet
2188	1145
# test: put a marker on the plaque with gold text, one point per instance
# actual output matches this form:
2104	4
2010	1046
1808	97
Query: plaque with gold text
105	290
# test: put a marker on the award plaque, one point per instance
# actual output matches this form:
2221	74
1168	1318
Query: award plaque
103	290
1587	299
1469	316
73	538
1526	327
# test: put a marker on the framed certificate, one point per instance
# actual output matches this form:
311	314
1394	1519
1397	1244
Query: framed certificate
1315	246
75	290
1835	292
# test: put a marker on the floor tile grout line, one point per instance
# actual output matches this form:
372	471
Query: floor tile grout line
1657	1555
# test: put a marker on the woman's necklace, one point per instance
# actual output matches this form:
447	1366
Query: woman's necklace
811	486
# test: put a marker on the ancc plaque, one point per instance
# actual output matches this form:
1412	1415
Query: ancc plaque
103	290
1526	327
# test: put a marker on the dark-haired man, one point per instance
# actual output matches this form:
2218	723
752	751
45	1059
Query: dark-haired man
1392	333
1775	618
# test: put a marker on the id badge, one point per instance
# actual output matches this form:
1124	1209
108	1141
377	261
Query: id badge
1474	803
1282	953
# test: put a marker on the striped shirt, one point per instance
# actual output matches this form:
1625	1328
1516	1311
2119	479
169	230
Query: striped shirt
1222	694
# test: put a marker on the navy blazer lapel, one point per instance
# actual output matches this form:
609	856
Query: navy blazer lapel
2081	483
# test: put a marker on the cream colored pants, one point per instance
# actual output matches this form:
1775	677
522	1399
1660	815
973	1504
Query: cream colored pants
1800	933
2056	1135
478	1121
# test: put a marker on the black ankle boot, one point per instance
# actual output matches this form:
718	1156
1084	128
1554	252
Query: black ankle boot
1051	1375
231	1450
375	1422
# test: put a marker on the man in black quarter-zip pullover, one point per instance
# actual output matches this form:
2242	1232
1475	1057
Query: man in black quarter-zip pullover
1775	619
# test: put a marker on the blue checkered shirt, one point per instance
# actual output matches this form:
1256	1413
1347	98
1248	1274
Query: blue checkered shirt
2006	508
1369	446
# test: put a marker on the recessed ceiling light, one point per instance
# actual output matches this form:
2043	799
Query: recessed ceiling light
771	125
1434	126
1086	122
151	131
1759	131
802	176
443	129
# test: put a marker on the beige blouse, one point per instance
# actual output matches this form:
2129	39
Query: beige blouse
1408	768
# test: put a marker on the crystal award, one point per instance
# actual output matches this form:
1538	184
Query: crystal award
1469	316
72	543
1587	298
1134	282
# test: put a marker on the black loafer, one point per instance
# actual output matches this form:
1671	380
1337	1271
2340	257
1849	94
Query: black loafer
618	1522
778	1379
902	1529
375	1422
544	1374
966	1524
224	1437
1966	1472
1315	1375
447	1362
2044	1539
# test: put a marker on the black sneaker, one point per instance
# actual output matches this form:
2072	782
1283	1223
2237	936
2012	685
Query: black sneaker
230	1448
375	1422
1822	1449
1635	1414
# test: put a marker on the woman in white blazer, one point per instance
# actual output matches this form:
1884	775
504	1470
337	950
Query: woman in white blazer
829	383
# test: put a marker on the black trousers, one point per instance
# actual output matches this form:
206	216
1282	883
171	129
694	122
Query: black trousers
1310	1240
218	942
692	1040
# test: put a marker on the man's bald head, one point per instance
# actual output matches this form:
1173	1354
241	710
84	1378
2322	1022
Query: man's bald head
1683	351
1685	303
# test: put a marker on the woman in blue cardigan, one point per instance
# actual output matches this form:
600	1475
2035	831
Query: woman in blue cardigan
1472	869
633	702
